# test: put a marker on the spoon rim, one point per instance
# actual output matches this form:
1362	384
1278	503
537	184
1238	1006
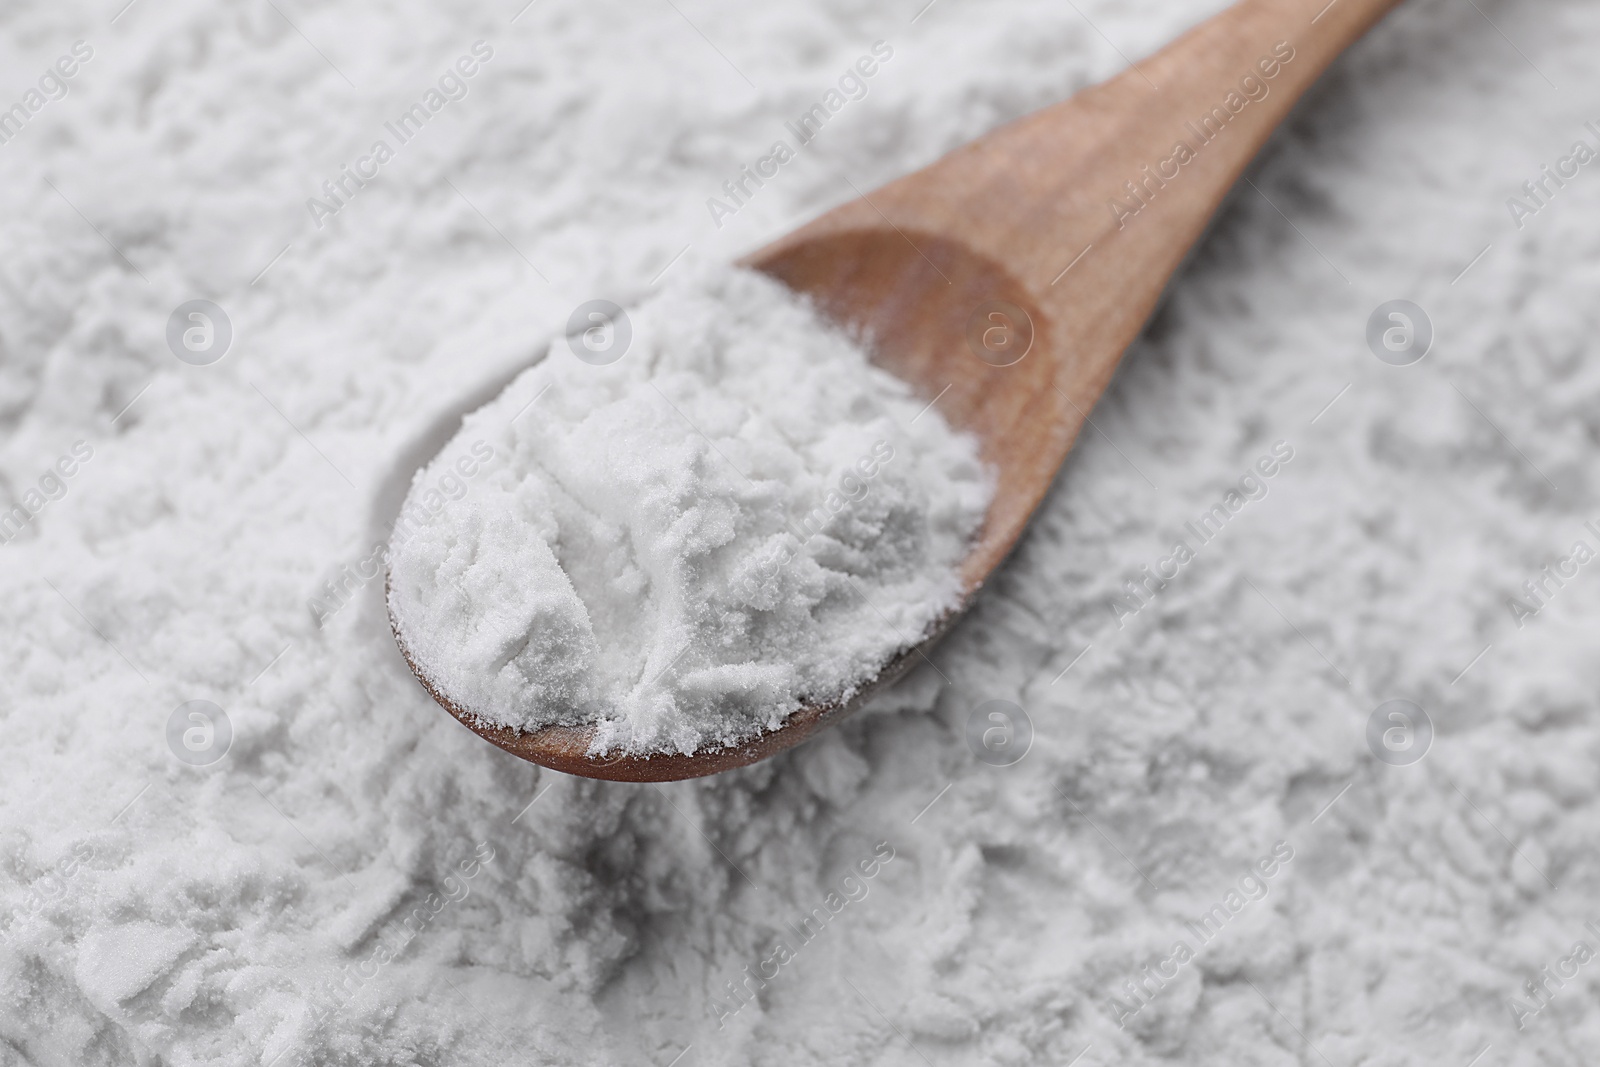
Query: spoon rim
565	748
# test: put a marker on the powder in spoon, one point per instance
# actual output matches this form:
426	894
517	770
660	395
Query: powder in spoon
681	547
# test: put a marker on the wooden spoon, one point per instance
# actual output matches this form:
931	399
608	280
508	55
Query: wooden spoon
1007	279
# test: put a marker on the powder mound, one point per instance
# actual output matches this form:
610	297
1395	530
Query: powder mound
738	516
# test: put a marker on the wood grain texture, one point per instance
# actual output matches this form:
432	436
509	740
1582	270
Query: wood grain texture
924	263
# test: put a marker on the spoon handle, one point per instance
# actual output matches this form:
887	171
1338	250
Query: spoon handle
1119	181
1134	169
1173	135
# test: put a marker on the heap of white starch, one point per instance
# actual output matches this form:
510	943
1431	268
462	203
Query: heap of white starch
737	516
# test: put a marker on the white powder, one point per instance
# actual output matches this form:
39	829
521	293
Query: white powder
310	898
706	512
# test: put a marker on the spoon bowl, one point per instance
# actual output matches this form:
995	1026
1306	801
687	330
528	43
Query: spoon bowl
1005	281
